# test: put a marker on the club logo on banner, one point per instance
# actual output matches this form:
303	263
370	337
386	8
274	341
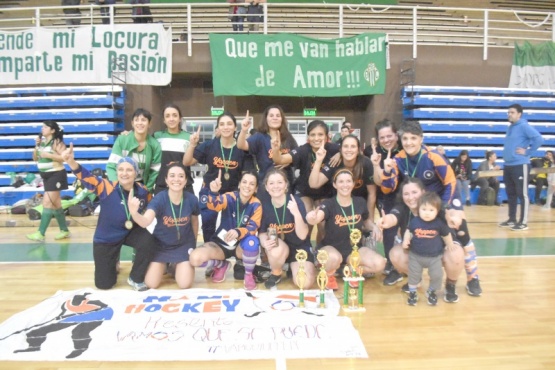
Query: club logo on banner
186	325
291	65
87	54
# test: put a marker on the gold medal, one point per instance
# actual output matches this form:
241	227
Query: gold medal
226	176
128	224
282	235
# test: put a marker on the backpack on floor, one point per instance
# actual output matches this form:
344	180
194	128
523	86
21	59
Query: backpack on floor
487	197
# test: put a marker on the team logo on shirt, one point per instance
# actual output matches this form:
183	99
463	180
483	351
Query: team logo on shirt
428	174
221	163
285	228
204	199
341	220
282	151
425	234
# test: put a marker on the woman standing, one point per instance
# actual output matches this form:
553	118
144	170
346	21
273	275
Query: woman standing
47	154
284	231
235	237
219	154
344	214
304	158
462	166
176	213
140	146
273	124
174	142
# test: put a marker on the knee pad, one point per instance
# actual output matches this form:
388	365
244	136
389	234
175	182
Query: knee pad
250	244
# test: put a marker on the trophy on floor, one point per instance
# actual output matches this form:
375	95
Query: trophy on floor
322	277
353	281
301	257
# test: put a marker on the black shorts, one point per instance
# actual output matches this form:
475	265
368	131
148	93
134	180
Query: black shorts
54	181
220	243
307	248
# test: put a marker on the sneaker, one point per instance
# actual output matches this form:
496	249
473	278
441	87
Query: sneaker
239	270
272	281
250	283
432	297
219	272
468	204
473	288
62	235
262	272
140	287
209	272
36	236
507	223
413	298
393	278
388	268
519	227
405	287
332	283
450	294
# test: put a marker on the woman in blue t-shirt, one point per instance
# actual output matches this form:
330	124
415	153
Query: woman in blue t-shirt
176	213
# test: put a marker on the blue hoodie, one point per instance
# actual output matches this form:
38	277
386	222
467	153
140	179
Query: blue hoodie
520	135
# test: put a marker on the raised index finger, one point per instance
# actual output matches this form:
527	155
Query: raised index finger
220	174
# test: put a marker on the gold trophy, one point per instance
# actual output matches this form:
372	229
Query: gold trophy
322	277
353	281
301	257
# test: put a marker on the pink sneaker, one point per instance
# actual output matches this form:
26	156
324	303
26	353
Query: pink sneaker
250	283
218	275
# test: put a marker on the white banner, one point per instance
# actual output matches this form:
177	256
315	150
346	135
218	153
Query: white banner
87	54
179	325
532	77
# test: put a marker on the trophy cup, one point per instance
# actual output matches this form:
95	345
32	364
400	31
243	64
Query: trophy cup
322	277
353	281
301	257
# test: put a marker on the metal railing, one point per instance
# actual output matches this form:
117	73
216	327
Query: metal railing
404	25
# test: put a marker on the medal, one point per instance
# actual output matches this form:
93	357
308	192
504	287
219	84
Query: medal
226	161
226	176
128	224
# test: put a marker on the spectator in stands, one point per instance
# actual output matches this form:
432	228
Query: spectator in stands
174	142
521	141
142	147
540	180
115	226
441	150
342	134
141	14
237	14
550	184
105	10
462	166
487	182
339	135
176	230
274	123
73	15
255	14
48	149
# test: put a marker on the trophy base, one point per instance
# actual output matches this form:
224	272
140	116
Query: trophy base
353	309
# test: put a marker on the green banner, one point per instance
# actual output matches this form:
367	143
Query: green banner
533	66
291	65
376	2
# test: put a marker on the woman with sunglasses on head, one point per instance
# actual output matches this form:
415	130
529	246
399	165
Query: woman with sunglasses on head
219	154
304	158
236	235
284	230
344	215
47	154
176	213
273	124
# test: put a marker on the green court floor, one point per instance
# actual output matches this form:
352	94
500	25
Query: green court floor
76	252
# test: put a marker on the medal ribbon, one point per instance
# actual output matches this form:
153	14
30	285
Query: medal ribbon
417	162
280	225
239	219
175	218
125	205
351	226
226	166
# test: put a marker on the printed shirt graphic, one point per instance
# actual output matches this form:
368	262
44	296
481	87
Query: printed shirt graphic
337	227
173	148
303	159
47	164
426	236
210	153
269	219
227	204
165	229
